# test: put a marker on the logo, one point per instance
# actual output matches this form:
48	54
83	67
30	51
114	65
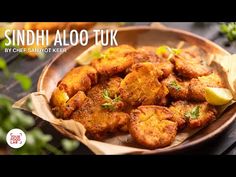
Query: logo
16	138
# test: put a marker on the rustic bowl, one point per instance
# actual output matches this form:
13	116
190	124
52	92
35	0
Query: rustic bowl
139	36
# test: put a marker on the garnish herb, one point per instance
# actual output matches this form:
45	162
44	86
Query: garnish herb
110	103
166	49
193	114
173	84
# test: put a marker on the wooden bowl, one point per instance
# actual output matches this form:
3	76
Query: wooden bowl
140	36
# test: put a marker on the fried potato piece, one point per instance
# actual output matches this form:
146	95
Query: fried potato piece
195	114
147	54
141	85
178	113
166	67
178	89
191	52
197	86
97	120
114	60
78	79
190	67
68	106
144	54
151	126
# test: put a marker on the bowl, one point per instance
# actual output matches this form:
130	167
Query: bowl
140	36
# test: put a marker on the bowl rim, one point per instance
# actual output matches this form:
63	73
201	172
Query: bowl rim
177	148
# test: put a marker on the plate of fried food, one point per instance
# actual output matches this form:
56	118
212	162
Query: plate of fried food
153	93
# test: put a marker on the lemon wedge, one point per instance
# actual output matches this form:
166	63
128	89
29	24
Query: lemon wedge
218	96
88	55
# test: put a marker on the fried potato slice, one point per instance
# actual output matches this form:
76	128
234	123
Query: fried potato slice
141	85
144	54
114	60
99	121
147	54
197	86
178	113
166	67
151	126
190	67
195	114
68	106
178	89
78	79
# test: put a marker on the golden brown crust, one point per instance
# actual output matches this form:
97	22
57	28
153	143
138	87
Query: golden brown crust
178	114
78	79
67	107
206	113
197	86
144	54
141	86
147	54
151	126
134	88
166	67
99	122
190	67
114	60
178	89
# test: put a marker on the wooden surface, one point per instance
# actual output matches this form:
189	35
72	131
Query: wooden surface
223	144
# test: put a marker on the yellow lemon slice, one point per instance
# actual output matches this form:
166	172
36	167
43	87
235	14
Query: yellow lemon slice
88	55
218	96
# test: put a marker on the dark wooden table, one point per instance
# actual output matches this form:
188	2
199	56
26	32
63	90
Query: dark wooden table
223	144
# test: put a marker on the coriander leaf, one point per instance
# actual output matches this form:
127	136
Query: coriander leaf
105	94
108	106
69	145
193	114
110	103
173	84
117	98
24	81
